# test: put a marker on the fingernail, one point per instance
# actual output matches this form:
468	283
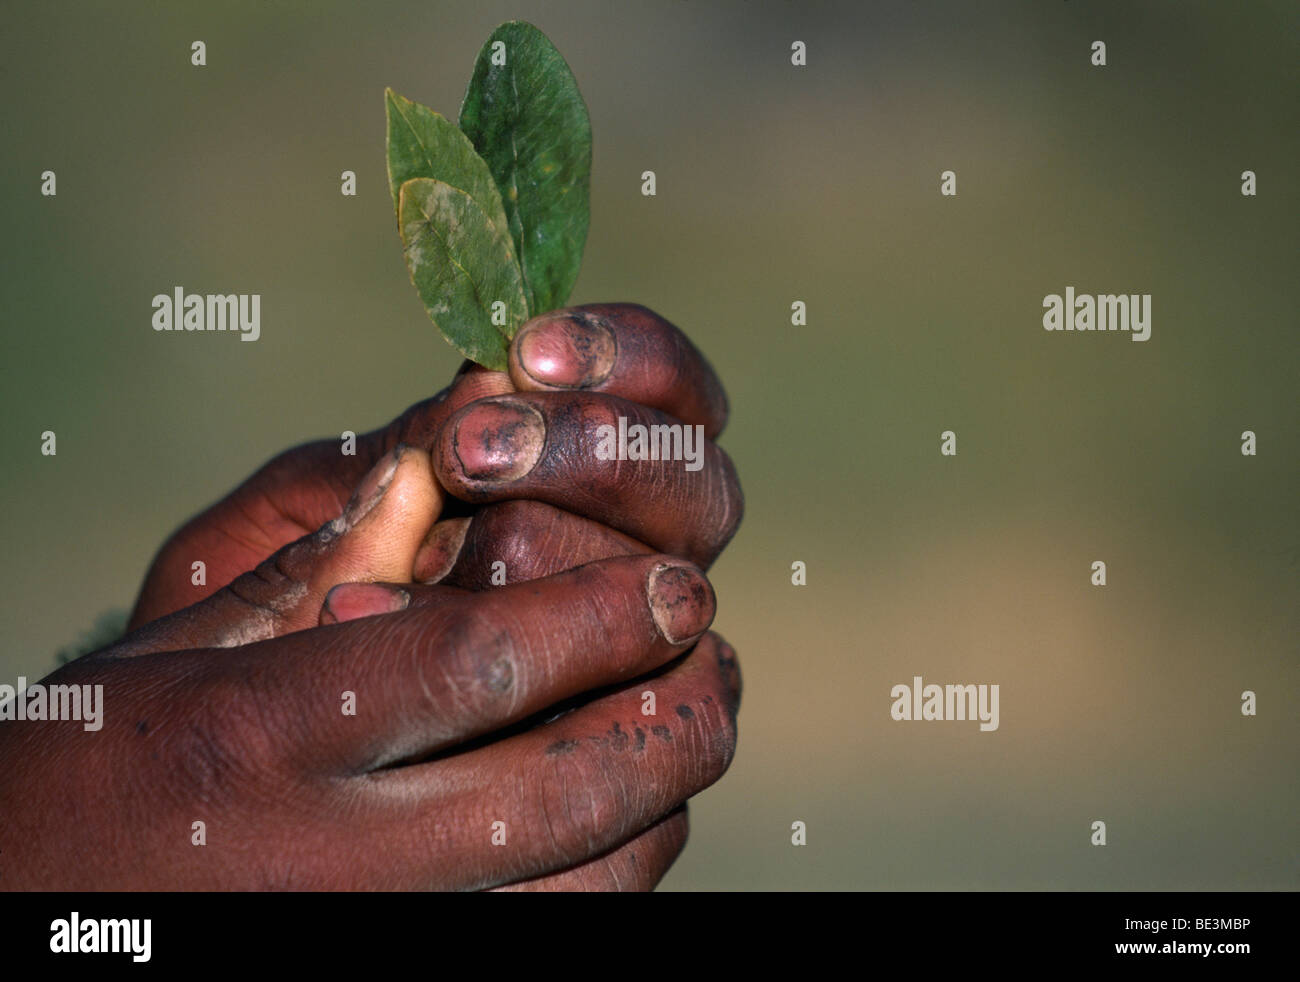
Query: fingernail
499	441
681	602
373	486
348	601
571	351
437	555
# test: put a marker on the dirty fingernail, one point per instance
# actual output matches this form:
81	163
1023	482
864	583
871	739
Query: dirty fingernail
570	351
437	555
348	601
681	602
499	441
373	486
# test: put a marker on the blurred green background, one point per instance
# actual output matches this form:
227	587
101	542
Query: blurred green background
775	184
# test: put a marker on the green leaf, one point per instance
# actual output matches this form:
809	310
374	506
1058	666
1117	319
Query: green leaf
421	143
461	265
527	119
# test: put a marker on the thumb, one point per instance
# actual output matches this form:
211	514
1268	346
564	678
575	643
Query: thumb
374	540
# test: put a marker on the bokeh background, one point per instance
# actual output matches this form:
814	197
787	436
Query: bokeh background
775	184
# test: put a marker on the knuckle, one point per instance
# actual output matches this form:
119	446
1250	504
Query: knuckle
219	749
719	738
731	501
588	414
600	604
478	656
581	805
709	741
270	589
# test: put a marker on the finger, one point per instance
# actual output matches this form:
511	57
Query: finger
289	497
650	361
331	475
557	448
637	865
514	541
420	424
619	349
561	794
623	350
376	538
454	665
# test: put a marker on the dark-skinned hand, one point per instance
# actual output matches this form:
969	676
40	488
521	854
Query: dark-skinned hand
230	716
